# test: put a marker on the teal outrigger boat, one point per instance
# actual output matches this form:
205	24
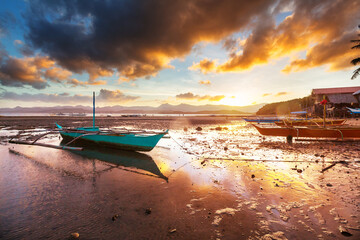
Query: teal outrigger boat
124	140
133	141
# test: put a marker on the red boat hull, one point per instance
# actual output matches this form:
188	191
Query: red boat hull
311	132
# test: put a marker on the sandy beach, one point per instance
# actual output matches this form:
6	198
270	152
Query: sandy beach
225	181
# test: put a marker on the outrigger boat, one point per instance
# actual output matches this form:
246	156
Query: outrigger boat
311	132
123	140
354	110
310	122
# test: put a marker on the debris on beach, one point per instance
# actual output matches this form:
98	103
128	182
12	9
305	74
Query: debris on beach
74	235
344	231
148	211
115	217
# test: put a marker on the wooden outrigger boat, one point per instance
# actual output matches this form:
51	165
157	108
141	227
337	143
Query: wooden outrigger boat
123	140
310	122
311	132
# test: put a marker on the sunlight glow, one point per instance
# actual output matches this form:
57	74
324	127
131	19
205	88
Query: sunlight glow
237	100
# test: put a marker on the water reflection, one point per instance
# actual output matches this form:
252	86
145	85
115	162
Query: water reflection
135	162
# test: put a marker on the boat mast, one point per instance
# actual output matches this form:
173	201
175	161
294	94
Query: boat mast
93	109
324	110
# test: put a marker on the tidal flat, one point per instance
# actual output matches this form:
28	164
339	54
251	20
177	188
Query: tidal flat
210	178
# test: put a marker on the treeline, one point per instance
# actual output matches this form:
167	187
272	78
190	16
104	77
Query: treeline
283	108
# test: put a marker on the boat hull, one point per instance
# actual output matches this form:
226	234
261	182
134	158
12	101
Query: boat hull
337	133
130	142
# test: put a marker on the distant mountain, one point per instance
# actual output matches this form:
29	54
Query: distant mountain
164	108
286	107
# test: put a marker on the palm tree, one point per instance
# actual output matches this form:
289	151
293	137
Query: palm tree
355	61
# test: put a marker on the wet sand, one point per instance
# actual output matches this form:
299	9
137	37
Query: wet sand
231	183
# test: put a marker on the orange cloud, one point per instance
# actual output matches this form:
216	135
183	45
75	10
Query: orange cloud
115	96
74	82
266	94
204	82
43	62
311	27
18	72
57	74
191	96
35	71
205	66
335	53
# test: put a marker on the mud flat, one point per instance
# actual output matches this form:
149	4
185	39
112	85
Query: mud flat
223	182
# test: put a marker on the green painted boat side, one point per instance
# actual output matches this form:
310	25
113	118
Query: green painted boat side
123	141
131	142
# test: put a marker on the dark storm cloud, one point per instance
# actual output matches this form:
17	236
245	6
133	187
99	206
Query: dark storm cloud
138	38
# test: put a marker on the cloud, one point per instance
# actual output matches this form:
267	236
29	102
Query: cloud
115	96
311	27
63	98
135	38
281	94
266	94
17	72
191	96
205	66
57	74
103	96
36	71
204	82
18	42
335	53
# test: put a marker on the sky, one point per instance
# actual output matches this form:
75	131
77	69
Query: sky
152	52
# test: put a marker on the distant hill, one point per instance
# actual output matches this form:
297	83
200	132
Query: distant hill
283	108
164	108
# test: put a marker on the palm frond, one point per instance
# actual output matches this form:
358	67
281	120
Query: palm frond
355	61
356	46
356	73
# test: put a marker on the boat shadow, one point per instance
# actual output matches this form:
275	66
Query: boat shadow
130	161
